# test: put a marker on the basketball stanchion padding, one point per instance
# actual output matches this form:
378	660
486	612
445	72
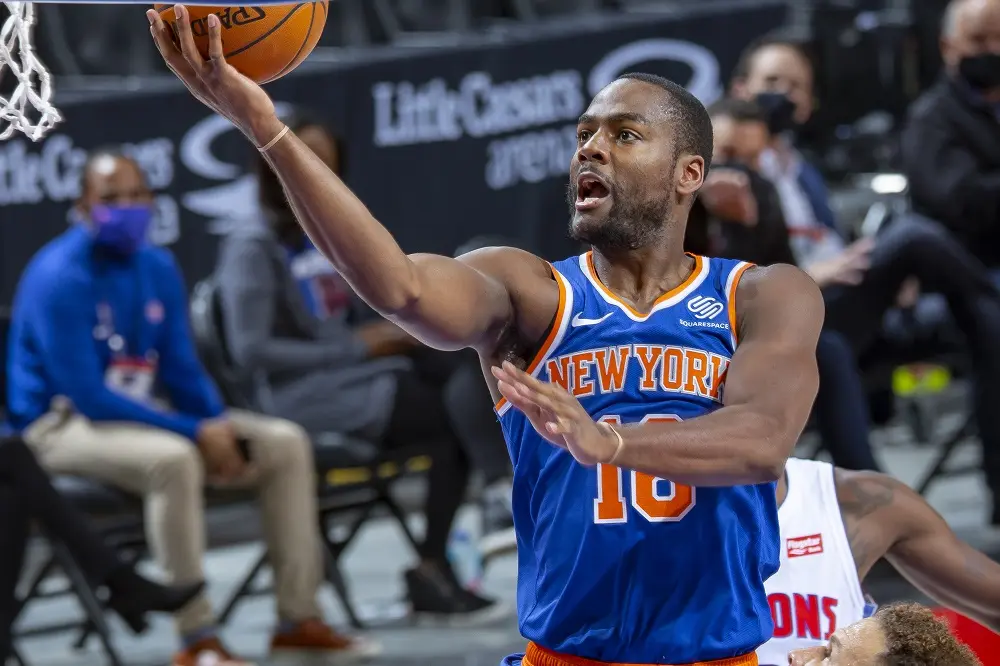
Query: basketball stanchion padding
980	640
262	42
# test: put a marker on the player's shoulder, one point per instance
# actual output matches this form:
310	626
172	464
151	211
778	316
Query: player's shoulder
864	491
881	501
505	259
779	290
518	270
785	279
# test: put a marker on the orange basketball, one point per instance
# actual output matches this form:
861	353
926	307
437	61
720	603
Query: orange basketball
262	42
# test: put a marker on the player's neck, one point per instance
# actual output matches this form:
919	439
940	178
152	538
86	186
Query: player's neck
782	490
644	274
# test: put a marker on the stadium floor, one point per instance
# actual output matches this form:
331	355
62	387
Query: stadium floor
372	567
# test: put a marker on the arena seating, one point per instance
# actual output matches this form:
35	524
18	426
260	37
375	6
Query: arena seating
353	481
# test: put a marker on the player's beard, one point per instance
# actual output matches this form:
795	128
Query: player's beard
631	223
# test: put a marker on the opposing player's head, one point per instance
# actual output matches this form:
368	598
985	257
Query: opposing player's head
898	635
318	138
777	74
644	147
115	201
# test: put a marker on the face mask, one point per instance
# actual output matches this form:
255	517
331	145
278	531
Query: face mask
982	71
779	111
121	228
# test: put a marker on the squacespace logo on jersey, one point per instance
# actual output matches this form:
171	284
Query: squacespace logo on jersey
530	121
705	309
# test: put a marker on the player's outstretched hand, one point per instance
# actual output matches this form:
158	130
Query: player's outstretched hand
556	415
212	80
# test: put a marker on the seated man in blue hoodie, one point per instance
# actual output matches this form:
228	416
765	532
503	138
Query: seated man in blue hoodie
99	333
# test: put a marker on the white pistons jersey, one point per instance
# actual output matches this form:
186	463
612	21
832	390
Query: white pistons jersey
816	590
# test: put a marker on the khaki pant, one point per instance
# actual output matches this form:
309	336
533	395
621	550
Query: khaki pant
167	470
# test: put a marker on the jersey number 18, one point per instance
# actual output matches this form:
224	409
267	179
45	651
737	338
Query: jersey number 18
610	507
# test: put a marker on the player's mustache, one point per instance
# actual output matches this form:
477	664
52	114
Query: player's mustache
574	180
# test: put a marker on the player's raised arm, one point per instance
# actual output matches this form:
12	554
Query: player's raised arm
444	302
769	391
926	552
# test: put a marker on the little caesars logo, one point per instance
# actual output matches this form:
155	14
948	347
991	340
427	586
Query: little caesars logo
521	113
30	174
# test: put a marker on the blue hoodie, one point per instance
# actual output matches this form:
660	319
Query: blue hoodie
54	348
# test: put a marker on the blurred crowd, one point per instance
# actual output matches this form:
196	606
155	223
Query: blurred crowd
106	380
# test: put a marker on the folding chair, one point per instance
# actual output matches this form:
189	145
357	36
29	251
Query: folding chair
354	478
89	496
122	516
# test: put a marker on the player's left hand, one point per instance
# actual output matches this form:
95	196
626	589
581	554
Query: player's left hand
556	415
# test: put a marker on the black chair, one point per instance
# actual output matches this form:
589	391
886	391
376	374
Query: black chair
878	365
354	478
119	518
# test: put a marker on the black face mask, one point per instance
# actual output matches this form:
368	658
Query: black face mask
982	71
779	111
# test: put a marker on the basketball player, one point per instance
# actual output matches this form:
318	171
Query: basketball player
835	524
619	369
901	634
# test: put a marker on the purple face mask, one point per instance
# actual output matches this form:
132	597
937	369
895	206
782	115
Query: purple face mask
121	228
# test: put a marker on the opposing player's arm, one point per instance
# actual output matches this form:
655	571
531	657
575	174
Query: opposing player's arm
770	387
928	554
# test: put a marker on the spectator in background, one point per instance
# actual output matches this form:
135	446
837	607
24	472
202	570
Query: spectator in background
99	325
864	279
951	143
27	494
290	318
738	206
744	214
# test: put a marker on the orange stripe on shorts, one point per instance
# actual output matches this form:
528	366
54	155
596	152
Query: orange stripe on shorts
536	655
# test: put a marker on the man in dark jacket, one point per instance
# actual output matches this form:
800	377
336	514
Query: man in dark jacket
951	143
864	279
738	215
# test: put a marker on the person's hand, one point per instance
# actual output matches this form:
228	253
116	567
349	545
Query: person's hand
909	293
726	194
217	442
556	415
848	267
383	338
212	80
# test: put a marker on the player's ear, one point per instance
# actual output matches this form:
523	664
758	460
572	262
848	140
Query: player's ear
690	174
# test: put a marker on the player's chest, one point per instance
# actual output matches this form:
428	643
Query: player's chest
642	367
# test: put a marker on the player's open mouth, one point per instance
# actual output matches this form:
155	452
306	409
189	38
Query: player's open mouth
591	191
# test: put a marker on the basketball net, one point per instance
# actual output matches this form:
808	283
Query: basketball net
29	108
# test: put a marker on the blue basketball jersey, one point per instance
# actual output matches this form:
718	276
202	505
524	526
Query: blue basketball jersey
624	567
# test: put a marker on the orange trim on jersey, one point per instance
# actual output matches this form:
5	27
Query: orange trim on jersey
731	299
536	655
668	295
553	332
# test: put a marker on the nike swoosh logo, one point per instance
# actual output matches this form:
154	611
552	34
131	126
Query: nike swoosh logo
580	321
